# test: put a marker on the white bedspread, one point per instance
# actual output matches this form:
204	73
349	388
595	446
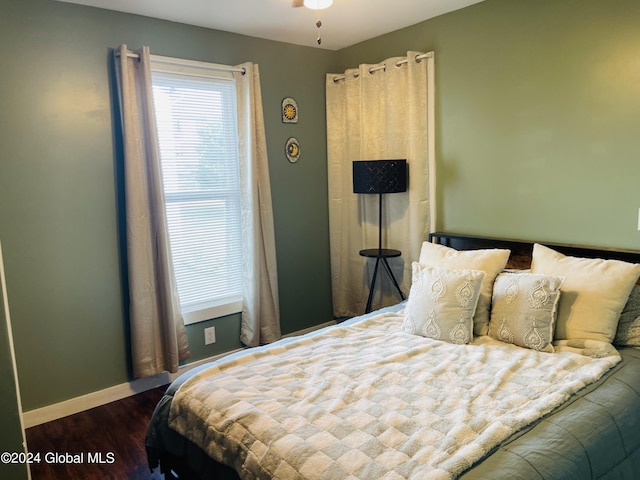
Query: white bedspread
368	401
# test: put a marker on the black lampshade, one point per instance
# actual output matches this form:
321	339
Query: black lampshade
379	176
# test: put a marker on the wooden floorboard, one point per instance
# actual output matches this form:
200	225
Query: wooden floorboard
112	434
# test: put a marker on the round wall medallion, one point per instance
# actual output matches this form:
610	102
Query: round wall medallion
292	150
289	110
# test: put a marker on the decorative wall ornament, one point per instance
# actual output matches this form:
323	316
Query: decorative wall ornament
292	149
289	110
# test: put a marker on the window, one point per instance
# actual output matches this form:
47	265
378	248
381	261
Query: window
195	109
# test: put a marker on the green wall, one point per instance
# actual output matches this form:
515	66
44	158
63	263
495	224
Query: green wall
537	106
538	114
58	189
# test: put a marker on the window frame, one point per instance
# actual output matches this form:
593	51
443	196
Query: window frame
176	67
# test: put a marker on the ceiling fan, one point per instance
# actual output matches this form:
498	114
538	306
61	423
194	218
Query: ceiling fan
312	4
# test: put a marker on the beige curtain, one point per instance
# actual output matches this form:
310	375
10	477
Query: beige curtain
378	112
261	310
158	336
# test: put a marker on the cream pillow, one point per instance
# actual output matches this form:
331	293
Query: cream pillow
593	294
442	302
523	309
490	261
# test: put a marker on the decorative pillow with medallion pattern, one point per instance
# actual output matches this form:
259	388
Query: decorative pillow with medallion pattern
442	303
628	333
524	309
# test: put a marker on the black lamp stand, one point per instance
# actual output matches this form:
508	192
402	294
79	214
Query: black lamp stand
381	255
380	176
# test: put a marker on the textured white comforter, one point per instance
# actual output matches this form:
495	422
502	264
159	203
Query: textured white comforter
368	401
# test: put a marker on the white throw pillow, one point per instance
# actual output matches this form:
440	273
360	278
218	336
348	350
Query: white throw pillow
442	302
490	261
524	309
593	294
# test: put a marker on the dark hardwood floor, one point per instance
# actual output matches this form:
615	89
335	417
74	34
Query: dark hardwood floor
113	434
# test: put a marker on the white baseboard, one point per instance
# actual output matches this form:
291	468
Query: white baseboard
111	394
55	411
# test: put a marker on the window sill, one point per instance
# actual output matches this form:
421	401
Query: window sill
200	315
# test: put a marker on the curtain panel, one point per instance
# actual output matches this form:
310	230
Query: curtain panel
377	112
158	336
261	310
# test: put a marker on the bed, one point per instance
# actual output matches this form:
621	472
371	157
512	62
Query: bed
392	395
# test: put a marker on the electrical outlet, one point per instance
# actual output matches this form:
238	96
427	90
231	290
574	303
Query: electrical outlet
209	335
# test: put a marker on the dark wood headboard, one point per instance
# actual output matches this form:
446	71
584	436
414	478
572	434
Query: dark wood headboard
521	249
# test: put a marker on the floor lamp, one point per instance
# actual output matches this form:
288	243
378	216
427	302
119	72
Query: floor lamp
378	177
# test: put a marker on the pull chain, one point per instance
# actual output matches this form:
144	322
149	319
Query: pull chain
318	24
317	5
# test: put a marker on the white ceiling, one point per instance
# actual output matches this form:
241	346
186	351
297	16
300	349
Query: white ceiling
345	23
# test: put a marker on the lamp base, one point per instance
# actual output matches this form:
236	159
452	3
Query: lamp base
381	254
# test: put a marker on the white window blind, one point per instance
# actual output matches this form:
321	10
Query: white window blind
197	131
